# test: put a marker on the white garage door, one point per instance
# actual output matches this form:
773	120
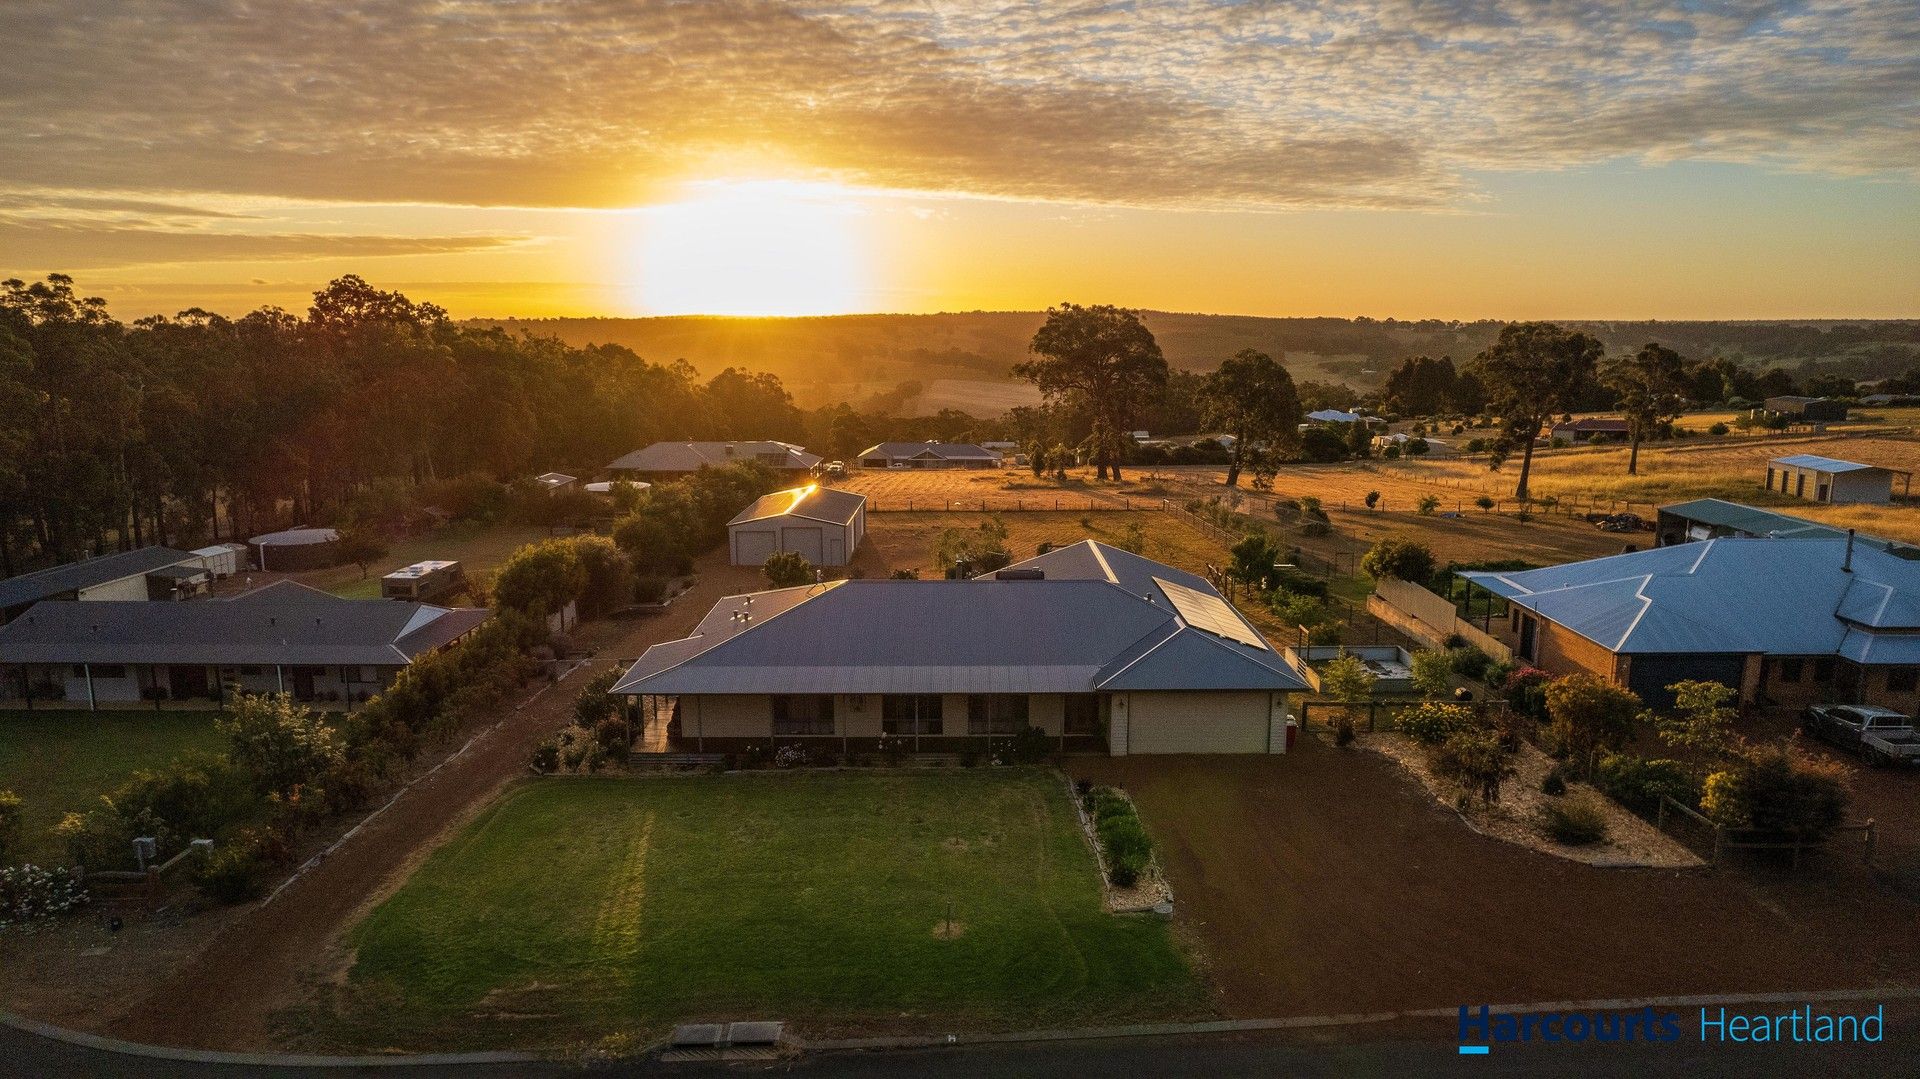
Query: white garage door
805	542
1197	723
751	548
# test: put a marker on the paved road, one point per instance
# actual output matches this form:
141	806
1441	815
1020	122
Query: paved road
1211	1057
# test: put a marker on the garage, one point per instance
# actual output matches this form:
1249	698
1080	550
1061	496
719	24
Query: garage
1232	721
820	524
1649	675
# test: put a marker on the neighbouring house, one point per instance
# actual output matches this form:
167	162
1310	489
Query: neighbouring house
673	460
928	455
1399	439
1880	400
425	582
820	524
1176	442
296	549
1591	429
1806	409
607	487
150	573
1093	646
283	637
1824	479
554	482
1783	621
1334	415
1004	449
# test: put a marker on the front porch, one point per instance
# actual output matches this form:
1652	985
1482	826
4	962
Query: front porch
190	687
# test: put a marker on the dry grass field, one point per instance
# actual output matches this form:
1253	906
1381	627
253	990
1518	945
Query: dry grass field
1002	489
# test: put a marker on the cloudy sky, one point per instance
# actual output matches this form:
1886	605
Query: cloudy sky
1385	157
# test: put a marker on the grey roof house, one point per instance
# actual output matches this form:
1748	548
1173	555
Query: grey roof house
148	573
663	458
281	637
1788	622
928	455
1089	644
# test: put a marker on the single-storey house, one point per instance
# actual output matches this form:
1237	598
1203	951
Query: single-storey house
672	460
283	637
150	573
1334	415
1825	479
1093	646
1591	429
1789	622
296	549
1806	409
928	455
820	524
554	482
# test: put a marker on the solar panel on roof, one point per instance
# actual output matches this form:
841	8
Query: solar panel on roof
1208	612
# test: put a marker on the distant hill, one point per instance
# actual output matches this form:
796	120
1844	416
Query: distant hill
857	357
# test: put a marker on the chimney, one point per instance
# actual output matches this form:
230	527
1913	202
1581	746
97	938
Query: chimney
1847	566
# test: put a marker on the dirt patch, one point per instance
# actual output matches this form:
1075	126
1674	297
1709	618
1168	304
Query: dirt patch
948	930
1630	841
1329	881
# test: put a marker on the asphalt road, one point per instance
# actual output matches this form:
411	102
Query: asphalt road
1209	1057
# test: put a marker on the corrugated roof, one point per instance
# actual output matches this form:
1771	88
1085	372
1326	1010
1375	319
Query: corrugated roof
950	451
1742	518
693	456
90	573
1061	634
1725	596
283	623
1333	415
812	502
296	537
1820	464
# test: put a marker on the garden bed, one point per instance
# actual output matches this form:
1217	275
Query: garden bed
1150	893
1630	841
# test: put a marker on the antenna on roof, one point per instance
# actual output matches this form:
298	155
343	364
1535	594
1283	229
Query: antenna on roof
1847	566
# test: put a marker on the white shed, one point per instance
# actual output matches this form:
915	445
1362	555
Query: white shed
1825	479
820	524
223	560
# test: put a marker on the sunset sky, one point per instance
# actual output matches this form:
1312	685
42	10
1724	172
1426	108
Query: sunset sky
578	157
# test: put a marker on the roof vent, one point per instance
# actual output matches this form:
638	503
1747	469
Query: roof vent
1847	566
1021	575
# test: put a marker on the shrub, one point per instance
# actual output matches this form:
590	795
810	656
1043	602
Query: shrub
1572	824
1432	723
1701	720
1400	558
1373	499
1555	783
1474	760
237	870
1776	791
1718	430
1485	503
546	757
1589	714
611	735
1030	746
1432	673
649	588
594	702
1428	504
1470	662
1122	838
9	826
282	744
1639	783
787	569
30	893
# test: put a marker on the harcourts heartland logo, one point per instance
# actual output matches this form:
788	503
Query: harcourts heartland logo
1482	1028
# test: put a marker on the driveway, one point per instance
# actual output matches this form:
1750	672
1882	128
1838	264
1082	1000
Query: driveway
1327	881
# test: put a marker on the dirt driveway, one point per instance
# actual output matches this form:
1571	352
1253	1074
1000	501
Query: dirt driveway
226	995
1325	881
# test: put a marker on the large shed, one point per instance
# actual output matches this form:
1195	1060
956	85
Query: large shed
1825	479
820	524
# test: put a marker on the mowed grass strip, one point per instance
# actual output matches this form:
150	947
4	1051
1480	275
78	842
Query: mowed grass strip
62	761
577	908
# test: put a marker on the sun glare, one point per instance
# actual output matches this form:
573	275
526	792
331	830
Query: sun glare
764	247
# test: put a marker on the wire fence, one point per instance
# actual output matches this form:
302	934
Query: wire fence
1048	504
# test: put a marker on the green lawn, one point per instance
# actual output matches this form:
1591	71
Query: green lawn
59	761
577	908
478	548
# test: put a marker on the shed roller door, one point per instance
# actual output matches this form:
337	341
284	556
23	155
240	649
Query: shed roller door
1648	676
751	548
805	542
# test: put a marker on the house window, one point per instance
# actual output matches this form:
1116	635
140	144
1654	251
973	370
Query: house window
1790	669
810	713
1903	679
358	675
109	670
902	713
1082	714
996	713
1823	670
250	670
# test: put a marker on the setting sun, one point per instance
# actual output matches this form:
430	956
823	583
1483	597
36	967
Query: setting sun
753	248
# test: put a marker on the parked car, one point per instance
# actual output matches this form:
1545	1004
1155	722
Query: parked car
836	468
1880	734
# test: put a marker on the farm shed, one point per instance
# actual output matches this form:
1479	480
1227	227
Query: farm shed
126	575
553	482
1825	479
1591	429
296	549
223	560
1806	409
820	524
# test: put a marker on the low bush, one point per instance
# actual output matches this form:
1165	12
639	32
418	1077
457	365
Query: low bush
237	870
1555	784
1030	746
1572	824
1475	760
1123	840
1470	662
1432	723
31	893
1777	792
1639	783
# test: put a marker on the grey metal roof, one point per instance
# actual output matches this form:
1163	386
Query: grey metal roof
1720	513
90	573
949	451
693	456
812	502
1055	635
282	623
1732	595
1334	415
1817	463
296	537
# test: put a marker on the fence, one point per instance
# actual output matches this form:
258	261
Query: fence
1379	715
1432	619
1050	504
1714	842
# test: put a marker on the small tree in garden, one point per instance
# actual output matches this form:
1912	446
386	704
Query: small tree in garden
280	743
787	569
362	547
1474	759
1348	681
1701	721
1485	503
1400	558
1590	714
1432	673
1777	791
595	703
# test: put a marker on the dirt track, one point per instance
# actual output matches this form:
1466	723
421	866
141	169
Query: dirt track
226	995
